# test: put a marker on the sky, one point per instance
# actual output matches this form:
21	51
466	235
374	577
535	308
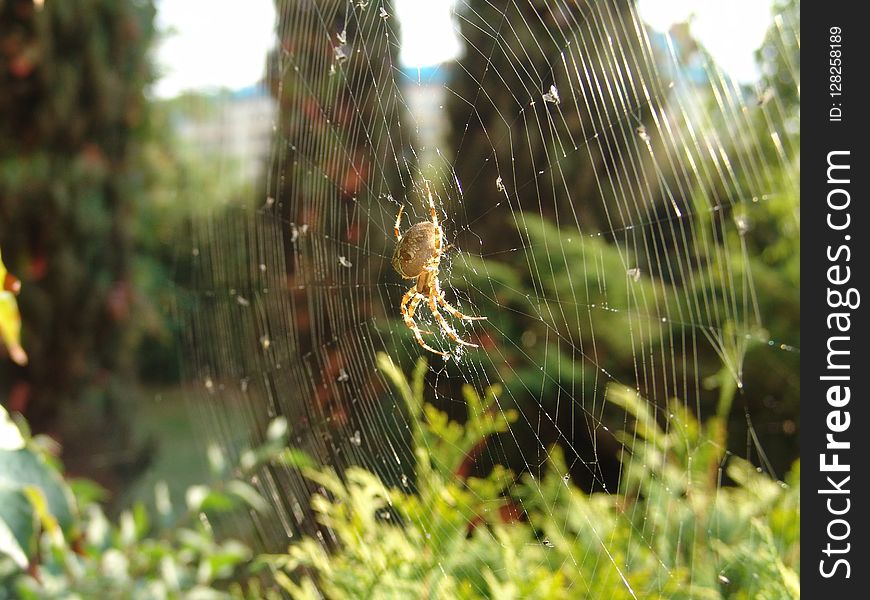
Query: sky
730	30
223	43
212	43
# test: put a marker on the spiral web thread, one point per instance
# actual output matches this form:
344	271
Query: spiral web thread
645	171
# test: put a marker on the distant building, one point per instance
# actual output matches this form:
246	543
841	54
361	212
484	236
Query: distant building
234	128
425	94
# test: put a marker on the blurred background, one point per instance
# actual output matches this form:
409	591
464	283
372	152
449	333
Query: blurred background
180	181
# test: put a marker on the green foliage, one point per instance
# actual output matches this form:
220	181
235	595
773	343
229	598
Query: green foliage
56	541
73	112
590	269
674	531
586	296
689	522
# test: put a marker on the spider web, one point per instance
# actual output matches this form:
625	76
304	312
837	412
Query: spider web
596	182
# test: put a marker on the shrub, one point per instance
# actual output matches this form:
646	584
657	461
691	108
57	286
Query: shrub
674	531
689	522
56	541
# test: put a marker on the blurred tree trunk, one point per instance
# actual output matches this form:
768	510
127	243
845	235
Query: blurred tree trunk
72	109
333	166
551	112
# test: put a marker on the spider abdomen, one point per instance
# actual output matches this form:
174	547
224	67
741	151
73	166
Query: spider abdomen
415	249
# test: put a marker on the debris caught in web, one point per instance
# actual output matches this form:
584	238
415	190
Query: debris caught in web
642	133
341	50
552	96
765	96
296	231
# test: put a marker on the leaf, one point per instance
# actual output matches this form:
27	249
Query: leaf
141	520
638	407
23	468
10	318
47	520
126	528
10	435
295	458
17	526
216	462
204	498
227	558
397	378
162	500
195	496
86	491
277	429
248	494
10	328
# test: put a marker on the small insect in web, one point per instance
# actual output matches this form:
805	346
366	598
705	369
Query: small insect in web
418	256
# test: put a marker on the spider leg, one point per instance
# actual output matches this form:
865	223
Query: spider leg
412	308
456	313
439	293
399	222
439	243
445	326
408	315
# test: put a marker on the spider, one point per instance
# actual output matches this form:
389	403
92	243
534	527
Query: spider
418	256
